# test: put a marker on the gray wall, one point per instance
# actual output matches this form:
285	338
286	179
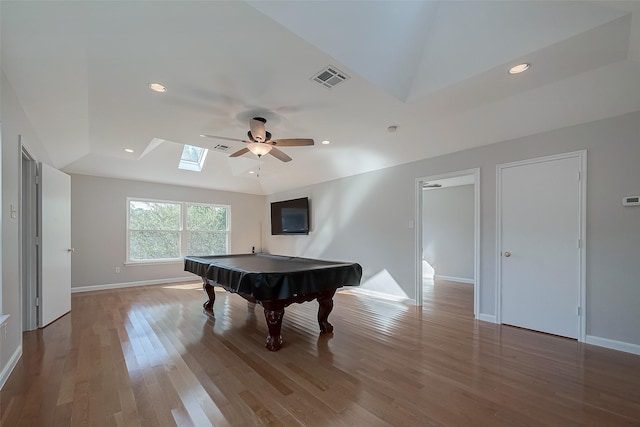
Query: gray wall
365	218
98	227
447	231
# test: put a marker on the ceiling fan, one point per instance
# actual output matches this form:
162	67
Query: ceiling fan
260	142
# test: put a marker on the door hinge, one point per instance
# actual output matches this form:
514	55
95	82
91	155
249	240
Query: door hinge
579	243
37	302
37	179
579	310
37	240
579	176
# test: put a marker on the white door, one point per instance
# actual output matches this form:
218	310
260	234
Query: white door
540	229
55	243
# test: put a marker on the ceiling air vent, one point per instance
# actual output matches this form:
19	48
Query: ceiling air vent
222	147
329	77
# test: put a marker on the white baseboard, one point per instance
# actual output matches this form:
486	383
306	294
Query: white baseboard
613	344
454	279
487	318
376	294
134	284
4	375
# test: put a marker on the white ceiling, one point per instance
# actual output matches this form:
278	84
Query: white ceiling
437	70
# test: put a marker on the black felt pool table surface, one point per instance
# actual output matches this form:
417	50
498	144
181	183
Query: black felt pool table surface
272	277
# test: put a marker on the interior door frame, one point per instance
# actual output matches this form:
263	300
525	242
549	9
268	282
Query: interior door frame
29	235
476	233
582	206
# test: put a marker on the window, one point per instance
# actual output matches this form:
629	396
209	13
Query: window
192	158
166	231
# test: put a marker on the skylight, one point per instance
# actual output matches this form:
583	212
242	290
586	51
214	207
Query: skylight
192	158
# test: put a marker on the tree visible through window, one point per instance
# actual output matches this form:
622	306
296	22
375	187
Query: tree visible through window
159	230
207	230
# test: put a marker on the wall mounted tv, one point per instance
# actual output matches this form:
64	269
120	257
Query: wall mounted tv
290	217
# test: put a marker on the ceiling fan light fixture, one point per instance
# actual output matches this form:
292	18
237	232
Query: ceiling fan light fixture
259	148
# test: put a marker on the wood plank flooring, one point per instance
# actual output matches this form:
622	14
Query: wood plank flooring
149	356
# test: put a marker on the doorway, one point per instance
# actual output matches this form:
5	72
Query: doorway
541	229
429	258
45	242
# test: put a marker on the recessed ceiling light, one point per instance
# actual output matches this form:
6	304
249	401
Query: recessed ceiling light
157	87
128	150
520	68
392	128
251	172
325	142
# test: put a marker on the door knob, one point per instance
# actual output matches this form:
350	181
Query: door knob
71	250
507	254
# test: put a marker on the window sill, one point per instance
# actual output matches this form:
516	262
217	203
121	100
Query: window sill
146	263
3	318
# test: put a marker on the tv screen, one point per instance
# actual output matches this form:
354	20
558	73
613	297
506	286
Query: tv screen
290	217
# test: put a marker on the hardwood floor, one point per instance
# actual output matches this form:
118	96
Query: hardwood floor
149	357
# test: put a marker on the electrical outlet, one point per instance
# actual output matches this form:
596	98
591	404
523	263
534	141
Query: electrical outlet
117	269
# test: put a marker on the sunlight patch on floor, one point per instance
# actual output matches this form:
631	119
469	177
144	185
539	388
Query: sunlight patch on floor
186	286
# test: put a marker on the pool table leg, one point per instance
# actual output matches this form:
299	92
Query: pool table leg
325	301
211	294
273	313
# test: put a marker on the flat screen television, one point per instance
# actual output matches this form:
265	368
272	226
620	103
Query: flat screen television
290	217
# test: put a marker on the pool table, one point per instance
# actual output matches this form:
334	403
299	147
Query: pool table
274	282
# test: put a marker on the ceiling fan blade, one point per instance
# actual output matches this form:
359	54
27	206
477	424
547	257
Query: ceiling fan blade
224	137
240	152
292	142
257	129
279	155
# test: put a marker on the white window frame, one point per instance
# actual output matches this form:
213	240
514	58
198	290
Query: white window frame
182	229
190	165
